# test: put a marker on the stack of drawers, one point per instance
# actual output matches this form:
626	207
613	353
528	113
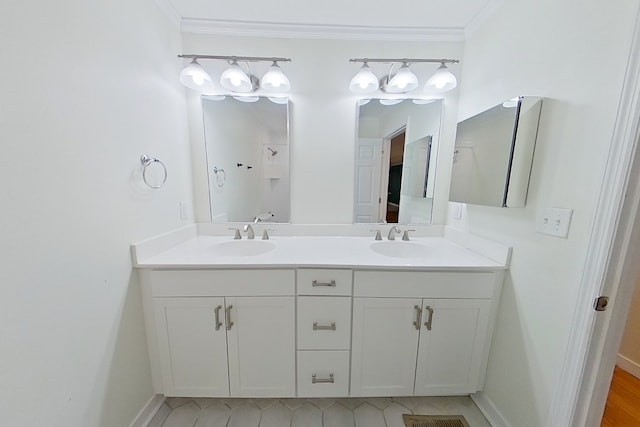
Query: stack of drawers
323	331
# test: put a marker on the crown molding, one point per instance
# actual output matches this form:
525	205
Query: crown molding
314	31
482	17
169	11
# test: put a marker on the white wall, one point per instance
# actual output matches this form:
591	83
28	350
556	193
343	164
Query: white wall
87	88
574	54
323	117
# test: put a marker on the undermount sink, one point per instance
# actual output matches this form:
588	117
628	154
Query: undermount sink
400	249
242	248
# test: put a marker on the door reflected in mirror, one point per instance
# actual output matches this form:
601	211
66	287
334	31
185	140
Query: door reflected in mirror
395	166
247	146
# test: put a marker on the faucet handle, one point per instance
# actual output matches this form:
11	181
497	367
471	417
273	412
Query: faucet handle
237	236
378	235
265	233
405	235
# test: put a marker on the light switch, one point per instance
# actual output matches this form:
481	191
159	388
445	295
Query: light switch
555	222
184	211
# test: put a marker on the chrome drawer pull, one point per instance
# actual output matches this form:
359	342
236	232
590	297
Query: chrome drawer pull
217	315
331	284
227	315
430	319
418	320
331	327
315	380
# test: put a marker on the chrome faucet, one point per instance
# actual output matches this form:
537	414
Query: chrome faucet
249	229
392	232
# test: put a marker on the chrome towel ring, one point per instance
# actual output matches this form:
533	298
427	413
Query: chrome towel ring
146	162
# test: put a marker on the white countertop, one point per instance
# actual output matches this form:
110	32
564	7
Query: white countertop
317	251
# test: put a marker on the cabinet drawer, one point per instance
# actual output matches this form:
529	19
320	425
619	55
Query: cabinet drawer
192	283
313	281
324	323
323	373
413	284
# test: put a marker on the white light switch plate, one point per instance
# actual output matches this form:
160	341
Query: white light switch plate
185	211
554	222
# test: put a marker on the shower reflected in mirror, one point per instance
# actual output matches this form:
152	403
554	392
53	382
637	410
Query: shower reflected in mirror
247	146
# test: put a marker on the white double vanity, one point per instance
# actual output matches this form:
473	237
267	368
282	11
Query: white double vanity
319	316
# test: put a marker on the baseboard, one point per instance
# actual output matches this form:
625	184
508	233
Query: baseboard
628	365
148	411
489	410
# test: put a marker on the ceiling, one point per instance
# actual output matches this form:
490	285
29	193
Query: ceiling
396	14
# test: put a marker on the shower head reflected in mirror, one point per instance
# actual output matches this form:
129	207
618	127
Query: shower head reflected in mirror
273	152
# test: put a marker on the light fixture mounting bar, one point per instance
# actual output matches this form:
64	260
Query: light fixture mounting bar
236	58
404	60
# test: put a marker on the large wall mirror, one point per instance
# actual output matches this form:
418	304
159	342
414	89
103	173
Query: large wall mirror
396	151
247	146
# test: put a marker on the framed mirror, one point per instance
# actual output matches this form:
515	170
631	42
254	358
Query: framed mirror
395	166
247	147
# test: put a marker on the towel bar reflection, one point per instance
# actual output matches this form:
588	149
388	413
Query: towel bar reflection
146	162
221	176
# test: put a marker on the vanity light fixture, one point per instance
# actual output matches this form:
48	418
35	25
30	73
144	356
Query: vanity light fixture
442	80
365	81
403	80
274	80
195	77
234	78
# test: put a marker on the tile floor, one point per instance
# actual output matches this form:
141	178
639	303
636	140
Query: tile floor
351	412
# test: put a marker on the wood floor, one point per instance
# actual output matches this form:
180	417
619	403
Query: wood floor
623	403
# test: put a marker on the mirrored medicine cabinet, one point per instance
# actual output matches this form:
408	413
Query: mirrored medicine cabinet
493	154
247	149
395	160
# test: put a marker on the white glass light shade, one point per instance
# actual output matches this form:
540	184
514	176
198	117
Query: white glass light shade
274	80
247	98
390	101
365	81
403	81
279	99
511	103
195	77
423	101
441	81
236	80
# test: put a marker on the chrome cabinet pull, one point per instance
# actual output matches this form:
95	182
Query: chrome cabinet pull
330	327
315	380
217	315
430	319
227	317
331	284
418	320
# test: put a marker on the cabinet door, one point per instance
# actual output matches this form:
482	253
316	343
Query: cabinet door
384	346
193	354
261	346
450	354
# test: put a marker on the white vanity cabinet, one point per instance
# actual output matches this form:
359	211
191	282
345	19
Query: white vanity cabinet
324	331
225	332
319	332
421	333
